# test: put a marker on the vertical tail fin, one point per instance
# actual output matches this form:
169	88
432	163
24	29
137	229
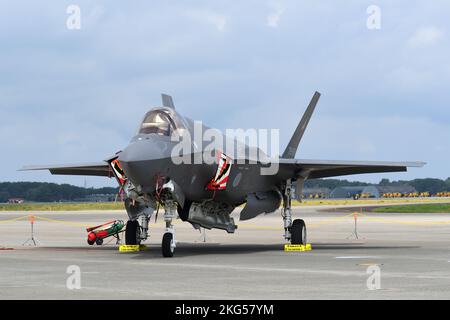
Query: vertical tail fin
167	101
291	149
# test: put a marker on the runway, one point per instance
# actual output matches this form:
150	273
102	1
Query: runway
412	252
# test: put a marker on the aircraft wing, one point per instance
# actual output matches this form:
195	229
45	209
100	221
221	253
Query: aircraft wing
313	169
101	169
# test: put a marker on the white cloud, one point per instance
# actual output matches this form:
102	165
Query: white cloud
426	36
94	16
407	78
219	21
274	17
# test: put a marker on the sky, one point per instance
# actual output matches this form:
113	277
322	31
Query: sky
71	95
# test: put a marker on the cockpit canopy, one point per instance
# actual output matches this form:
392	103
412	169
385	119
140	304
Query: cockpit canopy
162	121
157	122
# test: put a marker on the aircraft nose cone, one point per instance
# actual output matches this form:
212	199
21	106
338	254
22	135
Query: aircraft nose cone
143	150
143	159
128	154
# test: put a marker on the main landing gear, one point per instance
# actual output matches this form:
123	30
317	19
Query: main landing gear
137	229
132	233
294	231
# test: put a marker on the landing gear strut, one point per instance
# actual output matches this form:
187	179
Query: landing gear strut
294	231
139	214
168	240
137	230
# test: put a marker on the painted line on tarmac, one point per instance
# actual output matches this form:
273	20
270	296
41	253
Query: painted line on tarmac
357	257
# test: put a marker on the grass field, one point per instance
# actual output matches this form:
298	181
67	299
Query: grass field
77	206
417	208
62	206
345	202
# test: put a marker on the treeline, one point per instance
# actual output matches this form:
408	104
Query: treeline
421	185
48	192
51	192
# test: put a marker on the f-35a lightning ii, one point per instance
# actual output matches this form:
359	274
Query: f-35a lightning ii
203	193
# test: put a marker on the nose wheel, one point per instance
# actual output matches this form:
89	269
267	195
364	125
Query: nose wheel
298	232
168	245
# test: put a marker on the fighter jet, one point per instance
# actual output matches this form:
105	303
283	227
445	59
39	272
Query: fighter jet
154	172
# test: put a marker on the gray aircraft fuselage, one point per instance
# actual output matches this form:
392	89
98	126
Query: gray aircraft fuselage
149	156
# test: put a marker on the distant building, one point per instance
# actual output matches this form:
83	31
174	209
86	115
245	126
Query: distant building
16	200
373	191
379	191
316	193
346	192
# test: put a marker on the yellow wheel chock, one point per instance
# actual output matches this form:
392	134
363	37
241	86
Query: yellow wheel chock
297	247
132	248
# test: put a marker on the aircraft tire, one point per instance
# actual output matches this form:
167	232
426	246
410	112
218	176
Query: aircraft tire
91	243
131	232
298	232
167	249
99	241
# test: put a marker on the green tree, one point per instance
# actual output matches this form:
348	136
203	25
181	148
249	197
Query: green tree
4	196
48	192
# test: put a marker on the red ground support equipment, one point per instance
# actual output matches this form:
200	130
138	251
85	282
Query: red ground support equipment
109	229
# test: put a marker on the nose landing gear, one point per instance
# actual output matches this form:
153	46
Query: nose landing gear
294	231
168	241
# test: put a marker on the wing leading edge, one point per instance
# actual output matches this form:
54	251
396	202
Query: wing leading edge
313	169
101	169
